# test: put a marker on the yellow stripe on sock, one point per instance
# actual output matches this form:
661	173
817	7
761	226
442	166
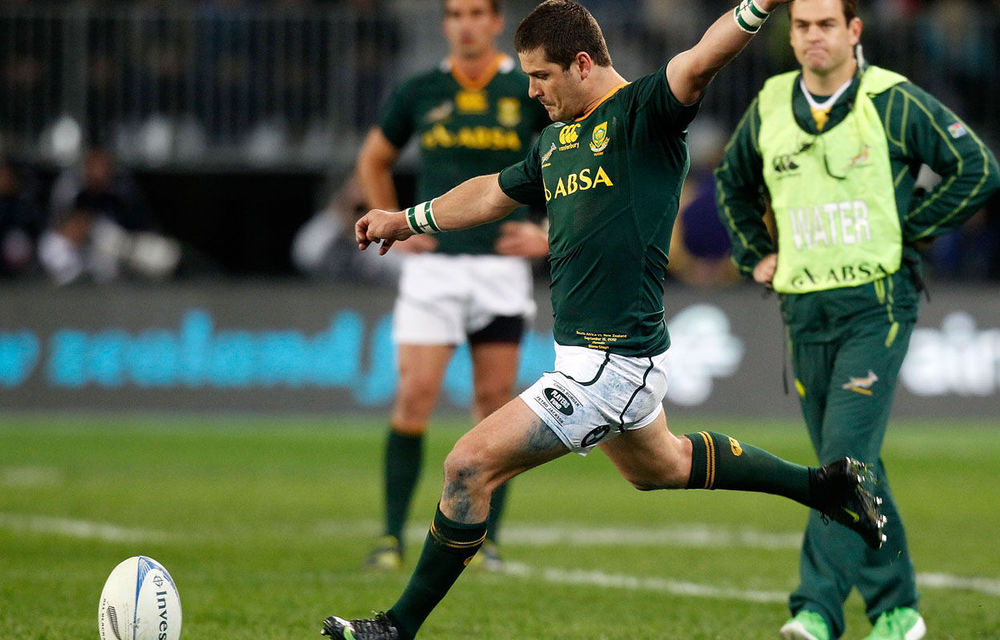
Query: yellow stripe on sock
454	544
710	459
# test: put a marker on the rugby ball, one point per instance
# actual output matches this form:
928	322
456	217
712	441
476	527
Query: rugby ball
139	602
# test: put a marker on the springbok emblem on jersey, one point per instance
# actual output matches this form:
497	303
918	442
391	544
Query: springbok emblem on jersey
599	138
861	385
861	157
509	112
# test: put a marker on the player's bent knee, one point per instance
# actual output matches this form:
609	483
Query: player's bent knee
422	397
462	466
467	470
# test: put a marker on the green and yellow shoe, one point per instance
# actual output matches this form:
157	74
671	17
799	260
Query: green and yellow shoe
901	623
806	625
488	558
386	556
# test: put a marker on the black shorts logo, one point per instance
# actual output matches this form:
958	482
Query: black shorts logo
595	436
559	400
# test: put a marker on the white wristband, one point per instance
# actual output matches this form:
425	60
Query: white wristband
420	218
749	16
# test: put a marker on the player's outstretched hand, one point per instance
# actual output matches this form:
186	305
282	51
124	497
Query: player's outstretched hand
378	225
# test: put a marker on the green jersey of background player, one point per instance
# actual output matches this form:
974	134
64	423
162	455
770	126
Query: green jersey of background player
464	127
609	229
469	115
837	147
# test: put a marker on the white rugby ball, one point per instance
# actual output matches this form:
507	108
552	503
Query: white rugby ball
139	602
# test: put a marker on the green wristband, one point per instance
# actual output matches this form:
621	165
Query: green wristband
420	218
749	16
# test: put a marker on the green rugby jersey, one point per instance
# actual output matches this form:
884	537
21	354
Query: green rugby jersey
610	181
464	129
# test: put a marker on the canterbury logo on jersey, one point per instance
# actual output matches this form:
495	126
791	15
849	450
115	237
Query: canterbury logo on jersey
584	180
569	133
491	138
785	162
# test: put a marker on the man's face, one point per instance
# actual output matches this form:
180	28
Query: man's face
98	169
471	27
557	89
822	40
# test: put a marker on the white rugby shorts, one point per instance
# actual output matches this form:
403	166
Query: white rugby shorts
444	298
593	396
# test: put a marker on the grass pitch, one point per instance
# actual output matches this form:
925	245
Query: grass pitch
264	522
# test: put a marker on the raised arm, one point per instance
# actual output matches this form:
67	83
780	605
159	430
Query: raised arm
689	72
474	202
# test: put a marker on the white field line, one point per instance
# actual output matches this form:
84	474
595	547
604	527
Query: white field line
688	535
77	528
27	477
691	535
987	586
579	577
544	536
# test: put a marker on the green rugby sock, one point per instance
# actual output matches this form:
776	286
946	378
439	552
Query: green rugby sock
719	461
403	459
447	550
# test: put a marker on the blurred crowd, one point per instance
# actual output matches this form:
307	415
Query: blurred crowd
255	79
97	227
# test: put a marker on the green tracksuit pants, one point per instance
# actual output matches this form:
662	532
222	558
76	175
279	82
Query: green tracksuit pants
846	386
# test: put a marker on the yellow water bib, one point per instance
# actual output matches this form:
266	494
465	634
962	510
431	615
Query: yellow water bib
832	194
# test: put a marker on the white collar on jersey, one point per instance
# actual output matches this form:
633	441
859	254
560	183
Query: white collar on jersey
506	64
829	102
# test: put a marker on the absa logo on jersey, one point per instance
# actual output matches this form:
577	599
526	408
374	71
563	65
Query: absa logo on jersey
583	180
492	138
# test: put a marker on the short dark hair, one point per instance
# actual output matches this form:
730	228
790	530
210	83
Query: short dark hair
850	9
562	28
495	5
